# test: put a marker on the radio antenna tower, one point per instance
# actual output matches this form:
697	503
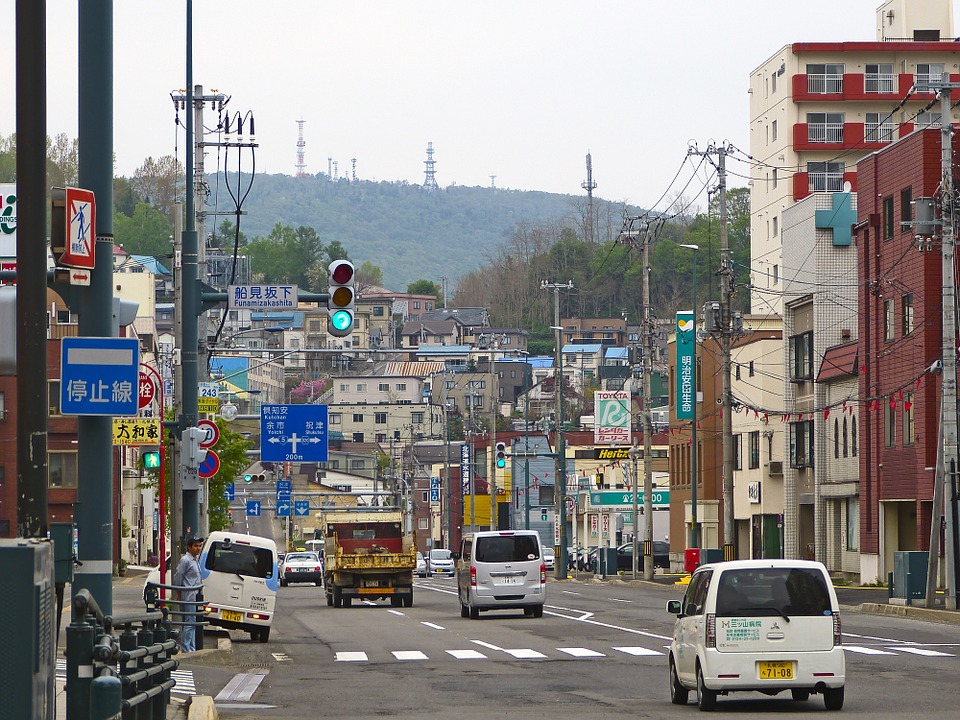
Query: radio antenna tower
301	164
353	169
589	185
430	173
493	182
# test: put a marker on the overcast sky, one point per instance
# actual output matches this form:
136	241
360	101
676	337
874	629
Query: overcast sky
520	89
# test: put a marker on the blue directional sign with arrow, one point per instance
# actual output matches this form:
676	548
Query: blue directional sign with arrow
293	433
301	508
253	508
283	507
229	491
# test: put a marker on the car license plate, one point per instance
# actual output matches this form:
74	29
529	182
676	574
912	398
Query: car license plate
776	670
511	580
231	615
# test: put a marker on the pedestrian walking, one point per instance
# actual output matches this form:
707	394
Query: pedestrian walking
188	575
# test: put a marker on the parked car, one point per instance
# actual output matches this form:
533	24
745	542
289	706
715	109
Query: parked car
661	556
421	570
549	559
301	567
757	625
440	562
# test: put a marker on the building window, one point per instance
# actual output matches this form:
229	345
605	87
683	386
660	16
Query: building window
888	218
773	136
825	127
853	437
62	469
336	418
750	373
357	464
801	356
380	418
343	387
754	439
3	412
801	444
845	446
888	320
378	311
774	177
361	387
737	372
824	78
825	176
776	274
423	521
879	78
776	226
889	422
909	427
401	387
906	209
358	417
907	313
416	418
853	523
927	73
928	119
425	497
416	304
53	397
381	437
878	128
737	452
836	437
383	387
773	83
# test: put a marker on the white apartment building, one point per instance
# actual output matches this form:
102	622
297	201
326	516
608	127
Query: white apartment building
816	108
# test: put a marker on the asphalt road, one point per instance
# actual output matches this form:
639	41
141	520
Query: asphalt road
597	652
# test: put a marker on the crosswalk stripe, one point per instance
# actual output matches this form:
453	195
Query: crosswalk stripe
866	650
524	653
921	651
467	654
409	655
581	652
186	686
633	650
351	657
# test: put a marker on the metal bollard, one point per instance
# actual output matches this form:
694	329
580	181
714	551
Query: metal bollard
160	702
889	585
79	669
145	710
128	642
105	701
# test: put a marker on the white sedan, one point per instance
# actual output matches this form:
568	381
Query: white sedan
549	559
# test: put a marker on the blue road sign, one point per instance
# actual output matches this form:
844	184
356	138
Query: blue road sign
301	508
284	486
99	376
253	508
283	507
229	491
293	433
434	489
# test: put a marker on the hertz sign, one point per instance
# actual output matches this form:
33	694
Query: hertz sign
611	453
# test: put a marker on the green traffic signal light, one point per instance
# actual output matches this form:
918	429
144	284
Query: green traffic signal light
248	478
341	320
151	460
543	514
501	455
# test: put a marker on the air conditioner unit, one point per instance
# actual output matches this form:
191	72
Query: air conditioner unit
775	467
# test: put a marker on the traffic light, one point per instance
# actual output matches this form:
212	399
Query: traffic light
501	455
543	514
151	458
340	305
248	478
191	454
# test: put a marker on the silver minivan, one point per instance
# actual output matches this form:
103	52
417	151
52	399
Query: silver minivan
500	570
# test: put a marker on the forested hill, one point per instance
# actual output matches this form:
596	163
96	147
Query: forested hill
409	232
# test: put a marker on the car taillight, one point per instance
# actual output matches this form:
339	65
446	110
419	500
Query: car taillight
543	573
473	576
209	609
258	616
837	640
711	630
319	568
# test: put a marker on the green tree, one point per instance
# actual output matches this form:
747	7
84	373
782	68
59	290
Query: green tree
8	158
368	275
125	198
158	182
426	287
146	233
286	256
63	161
231	448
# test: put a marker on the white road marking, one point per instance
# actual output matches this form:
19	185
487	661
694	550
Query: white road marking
920	651
571	592
433	625
586	618
351	657
409	655
581	652
395	612
281	657
619	600
866	651
241	688
487	645
523	653
638	651
467	654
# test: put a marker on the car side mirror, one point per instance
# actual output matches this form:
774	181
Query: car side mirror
673	607
455	555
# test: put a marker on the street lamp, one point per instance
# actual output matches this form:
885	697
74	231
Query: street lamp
694	541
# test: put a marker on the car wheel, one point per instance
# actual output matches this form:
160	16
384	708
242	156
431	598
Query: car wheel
408	599
833	698
474	612
329	598
538	611
800	695
318	583
528	612
678	693
706	698
464	611
264	634
395	600
337	597
283	583
254	634
347	601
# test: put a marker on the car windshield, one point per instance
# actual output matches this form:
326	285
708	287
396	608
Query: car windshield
240	559
507	548
439	554
773	591
302	557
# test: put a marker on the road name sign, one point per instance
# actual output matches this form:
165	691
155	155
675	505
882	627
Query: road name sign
293	433
99	376
262	297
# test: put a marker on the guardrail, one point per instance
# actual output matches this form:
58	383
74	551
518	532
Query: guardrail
118	665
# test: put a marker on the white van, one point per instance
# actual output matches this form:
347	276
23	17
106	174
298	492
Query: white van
498	570
240	580
760	625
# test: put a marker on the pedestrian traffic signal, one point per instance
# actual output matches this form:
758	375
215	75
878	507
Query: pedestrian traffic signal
501	455
341	303
543	514
151	458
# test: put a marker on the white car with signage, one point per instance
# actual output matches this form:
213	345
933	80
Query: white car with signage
757	625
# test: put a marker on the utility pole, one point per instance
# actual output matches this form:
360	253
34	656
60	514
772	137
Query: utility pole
561	452
948	450
723	328
492	484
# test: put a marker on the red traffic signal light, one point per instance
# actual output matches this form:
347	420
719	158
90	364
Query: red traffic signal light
341	303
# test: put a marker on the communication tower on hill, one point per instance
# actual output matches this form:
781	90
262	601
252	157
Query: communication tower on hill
430	172
353	169
589	185
301	164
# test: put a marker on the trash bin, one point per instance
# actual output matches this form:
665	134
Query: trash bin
909	574
608	561
691	559
711	555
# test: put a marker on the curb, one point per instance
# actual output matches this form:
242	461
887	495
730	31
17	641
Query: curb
202	708
918	613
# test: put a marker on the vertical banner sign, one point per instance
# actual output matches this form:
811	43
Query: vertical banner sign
8	221
465	469
611	411
685	351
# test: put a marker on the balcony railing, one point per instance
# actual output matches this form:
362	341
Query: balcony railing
879	83
921	81
825	182
824	84
880	133
825	132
